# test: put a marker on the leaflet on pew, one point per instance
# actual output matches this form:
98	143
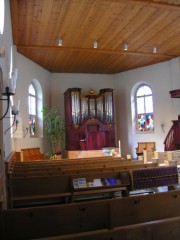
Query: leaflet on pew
82	183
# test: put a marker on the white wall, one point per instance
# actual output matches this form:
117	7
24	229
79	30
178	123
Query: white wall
29	71
162	78
5	140
6	42
61	82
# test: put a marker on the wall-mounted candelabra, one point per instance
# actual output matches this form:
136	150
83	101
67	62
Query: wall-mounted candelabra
7	83
15	116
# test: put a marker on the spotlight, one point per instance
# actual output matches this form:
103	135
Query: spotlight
60	42
154	49
95	44
125	47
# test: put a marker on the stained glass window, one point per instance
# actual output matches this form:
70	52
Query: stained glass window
32	109
144	109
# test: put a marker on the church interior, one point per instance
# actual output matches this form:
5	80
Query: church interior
89	119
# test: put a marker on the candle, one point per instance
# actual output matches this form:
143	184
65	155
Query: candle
18	105
119	147
129	156
11	63
15	108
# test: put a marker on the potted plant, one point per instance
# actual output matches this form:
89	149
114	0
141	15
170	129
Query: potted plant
54	127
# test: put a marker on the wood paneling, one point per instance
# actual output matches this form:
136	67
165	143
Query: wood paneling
142	24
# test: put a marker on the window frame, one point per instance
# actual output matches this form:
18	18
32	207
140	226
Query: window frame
32	116
147	115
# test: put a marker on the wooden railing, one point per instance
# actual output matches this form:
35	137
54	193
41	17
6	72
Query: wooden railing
172	141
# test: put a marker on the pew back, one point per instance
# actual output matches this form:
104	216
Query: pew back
103	216
31	154
149	146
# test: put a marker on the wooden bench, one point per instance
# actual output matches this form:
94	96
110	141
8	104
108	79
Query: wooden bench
149	146
174	155
123	218
163	229
31	154
64	163
162	156
69	170
148	155
43	189
39	189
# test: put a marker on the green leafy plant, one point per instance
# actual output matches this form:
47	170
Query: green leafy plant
54	127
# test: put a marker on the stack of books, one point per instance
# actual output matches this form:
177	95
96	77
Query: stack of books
82	183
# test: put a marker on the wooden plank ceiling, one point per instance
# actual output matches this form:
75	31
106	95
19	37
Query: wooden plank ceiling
37	25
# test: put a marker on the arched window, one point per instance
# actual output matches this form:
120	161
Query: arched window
144	109
32	109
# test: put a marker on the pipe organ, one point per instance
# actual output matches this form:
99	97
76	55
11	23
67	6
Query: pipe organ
89	119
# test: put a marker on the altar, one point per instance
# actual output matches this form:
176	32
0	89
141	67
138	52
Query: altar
92	153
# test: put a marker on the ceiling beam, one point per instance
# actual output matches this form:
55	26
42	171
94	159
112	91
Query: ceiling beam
155	4
97	50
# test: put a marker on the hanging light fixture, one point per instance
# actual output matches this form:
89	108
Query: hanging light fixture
125	46
154	50
60	42
95	44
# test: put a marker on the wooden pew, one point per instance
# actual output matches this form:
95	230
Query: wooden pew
161	156
149	146
22	180
73	161
124	218
122	186
39	190
120	167
36	190
57	219
163	229
43	189
174	155
69	169
54	170
31	154
69	163
45	163
148	155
